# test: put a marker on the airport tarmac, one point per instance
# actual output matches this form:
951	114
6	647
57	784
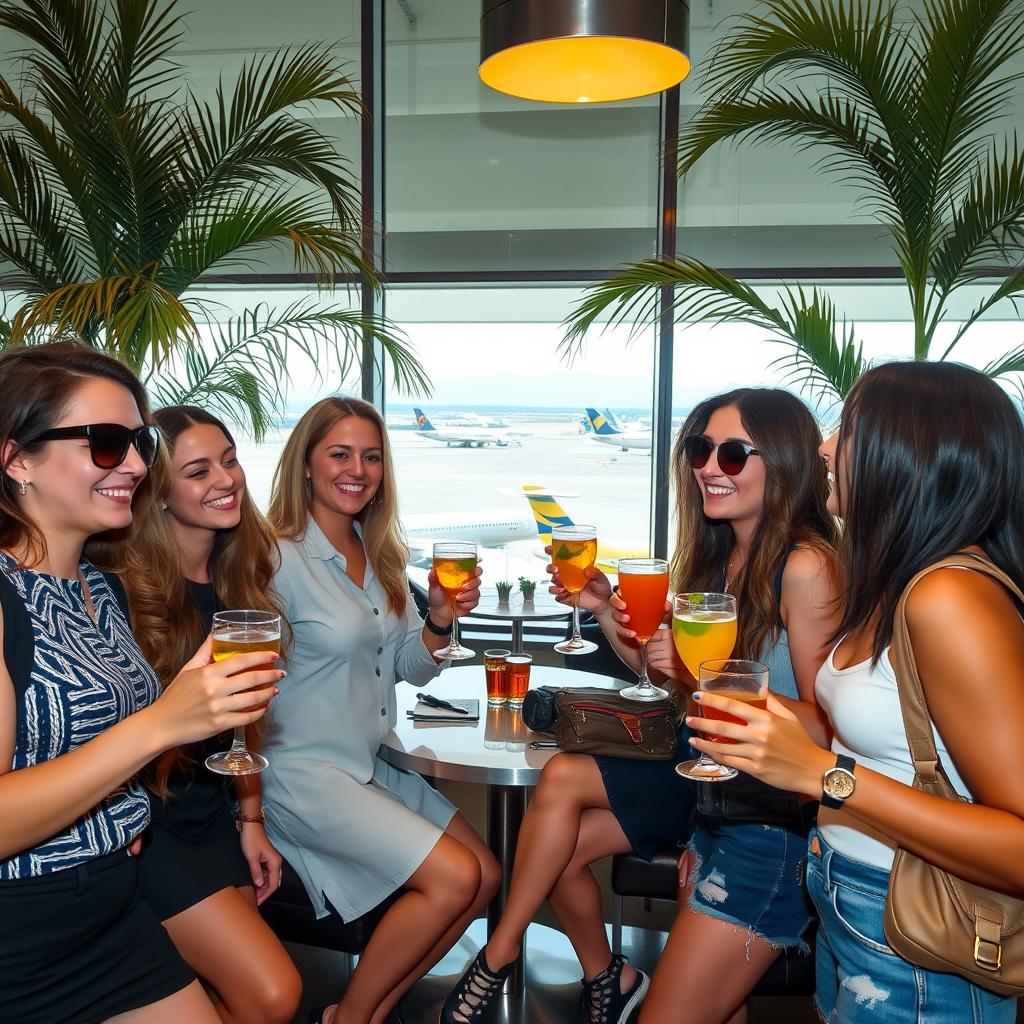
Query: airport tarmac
595	483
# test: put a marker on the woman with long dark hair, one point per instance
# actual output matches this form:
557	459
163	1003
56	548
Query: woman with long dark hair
201	872
926	464
81	712
356	829
754	524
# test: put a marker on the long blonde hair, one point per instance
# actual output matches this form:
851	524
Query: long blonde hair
166	624
291	499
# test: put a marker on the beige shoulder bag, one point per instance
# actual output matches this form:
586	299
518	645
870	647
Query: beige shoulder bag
932	918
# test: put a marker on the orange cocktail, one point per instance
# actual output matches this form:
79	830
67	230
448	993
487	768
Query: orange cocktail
644	592
454	565
573	551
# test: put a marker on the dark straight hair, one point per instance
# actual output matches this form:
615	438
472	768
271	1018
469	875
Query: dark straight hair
931	457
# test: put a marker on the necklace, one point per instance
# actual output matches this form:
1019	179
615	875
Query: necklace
728	572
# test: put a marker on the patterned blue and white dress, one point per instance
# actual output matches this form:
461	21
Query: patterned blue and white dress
77	944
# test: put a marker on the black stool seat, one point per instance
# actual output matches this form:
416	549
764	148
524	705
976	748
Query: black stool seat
790	975
292	919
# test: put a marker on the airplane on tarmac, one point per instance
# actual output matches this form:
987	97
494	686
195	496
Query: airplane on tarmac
602	430
459	438
488	527
548	513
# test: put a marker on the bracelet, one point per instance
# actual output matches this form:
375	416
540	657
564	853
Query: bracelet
240	818
435	629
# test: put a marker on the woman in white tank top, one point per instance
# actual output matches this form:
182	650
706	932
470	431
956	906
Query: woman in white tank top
927	462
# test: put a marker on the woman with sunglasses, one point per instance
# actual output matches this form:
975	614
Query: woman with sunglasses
201	872
81	712
938	447
751	520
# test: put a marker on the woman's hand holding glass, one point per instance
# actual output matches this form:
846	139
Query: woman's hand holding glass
207	698
594	597
441	603
771	745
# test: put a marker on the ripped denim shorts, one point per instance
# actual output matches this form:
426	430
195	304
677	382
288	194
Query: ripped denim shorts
860	980
752	876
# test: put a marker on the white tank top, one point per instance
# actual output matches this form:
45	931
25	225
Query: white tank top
863	705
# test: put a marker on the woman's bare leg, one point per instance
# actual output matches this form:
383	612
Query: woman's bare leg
190	1004
253	977
576	899
706	972
490	878
439	893
569	785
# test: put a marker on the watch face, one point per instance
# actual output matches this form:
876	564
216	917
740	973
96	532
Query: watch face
839	783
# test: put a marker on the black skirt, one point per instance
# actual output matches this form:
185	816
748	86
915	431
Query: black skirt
191	849
79	946
652	804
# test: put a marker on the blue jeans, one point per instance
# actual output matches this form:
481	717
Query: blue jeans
859	978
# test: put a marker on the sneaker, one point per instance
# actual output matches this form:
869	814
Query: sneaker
602	1000
467	1002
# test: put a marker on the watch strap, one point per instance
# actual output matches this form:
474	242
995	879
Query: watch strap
847	764
436	629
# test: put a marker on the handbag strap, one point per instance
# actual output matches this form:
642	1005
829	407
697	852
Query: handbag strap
916	720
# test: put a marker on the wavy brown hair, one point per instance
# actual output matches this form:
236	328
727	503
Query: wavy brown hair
291	500
167	626
787	437
38	382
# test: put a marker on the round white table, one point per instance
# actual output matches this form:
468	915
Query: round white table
517	611
494	751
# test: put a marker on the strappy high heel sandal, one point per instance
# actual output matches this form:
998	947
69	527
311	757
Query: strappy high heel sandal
467	1002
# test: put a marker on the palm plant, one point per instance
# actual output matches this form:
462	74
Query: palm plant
120	189
904	110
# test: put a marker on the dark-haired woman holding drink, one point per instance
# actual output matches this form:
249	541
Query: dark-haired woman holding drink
937	447
751	519
81	712
203	870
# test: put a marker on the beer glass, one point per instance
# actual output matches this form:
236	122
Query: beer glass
518	678
496	670
703	628
242	632
643	585
739	680
574	550
454	562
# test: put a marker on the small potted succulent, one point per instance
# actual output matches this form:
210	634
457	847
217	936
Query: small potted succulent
504	588
527	588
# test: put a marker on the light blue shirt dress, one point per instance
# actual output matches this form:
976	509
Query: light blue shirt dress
353	827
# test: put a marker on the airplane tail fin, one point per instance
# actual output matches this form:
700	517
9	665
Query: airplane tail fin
599	424
546	511
422	422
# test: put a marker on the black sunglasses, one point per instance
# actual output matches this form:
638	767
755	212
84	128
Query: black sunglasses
109	442
732	455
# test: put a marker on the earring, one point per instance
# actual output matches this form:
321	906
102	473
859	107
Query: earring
23	486
163	506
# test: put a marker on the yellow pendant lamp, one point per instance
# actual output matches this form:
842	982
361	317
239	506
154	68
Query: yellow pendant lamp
583	51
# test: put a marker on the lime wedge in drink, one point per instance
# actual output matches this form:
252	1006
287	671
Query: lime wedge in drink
692	627
563	552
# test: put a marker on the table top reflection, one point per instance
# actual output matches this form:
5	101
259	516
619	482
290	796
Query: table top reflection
494	750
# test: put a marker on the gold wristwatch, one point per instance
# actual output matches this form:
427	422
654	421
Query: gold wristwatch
838	783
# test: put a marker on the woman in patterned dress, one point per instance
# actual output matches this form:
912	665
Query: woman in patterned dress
79	707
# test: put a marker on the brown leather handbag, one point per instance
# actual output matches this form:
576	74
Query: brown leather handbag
590	720
932	918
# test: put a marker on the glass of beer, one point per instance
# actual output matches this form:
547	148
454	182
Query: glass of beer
573	551
739	680
454	562
242	632
496	670
703	628
518	678
643	585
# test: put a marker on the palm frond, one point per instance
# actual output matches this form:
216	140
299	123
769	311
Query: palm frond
826	359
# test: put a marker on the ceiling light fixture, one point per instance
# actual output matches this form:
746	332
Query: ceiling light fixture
583	51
